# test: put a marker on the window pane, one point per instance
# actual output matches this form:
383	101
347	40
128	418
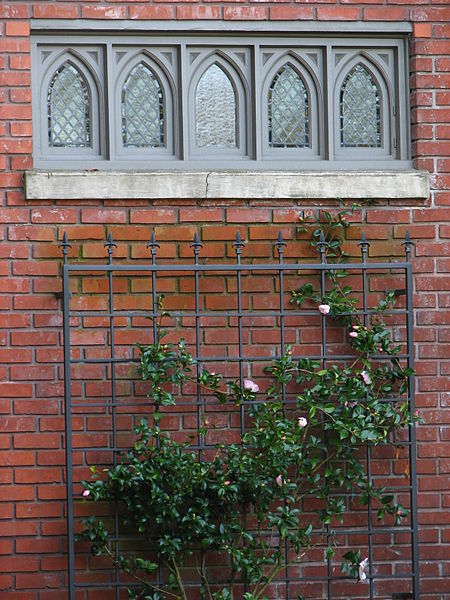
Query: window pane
215	110
288	110
142	109
360	110
68	109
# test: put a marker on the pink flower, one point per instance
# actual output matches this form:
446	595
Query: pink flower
353	334
207	422
279	481
355	326
86	493
324	308
302	422
227	482
399	512
416	414
366	377
362	569
251	386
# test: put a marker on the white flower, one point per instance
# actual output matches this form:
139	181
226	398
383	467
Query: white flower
324	308
362	569
302	422
366	377
250	385
279	481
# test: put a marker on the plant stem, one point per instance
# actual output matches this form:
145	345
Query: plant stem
176	572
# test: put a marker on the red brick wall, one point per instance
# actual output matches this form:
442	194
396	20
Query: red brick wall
32	525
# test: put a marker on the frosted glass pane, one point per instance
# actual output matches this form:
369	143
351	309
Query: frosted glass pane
360	110
142	109
215	110
68	107
288	110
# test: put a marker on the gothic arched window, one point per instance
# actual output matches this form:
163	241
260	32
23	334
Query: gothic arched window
68	109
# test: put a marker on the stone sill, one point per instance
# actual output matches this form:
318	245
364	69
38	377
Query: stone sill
202	185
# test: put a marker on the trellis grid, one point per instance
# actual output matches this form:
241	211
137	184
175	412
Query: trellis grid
113	364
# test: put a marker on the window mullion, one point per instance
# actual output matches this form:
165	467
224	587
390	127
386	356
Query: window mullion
256	103
184	113
330	119
110	124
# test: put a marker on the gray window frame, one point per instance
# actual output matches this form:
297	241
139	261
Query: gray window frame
88	60
241	53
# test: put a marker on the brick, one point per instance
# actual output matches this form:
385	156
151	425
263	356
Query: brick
55	11
43	440
13	45
338	13
20	61
39	580
18	528
13	423
34	338
17	458
388	216
198	12
422	30
247	215
94	215
152	12
27	232
103	12
17	28
17	563
15	390
41	268
16	146
388	14
32	373
36	475
245	13
14	11
288	13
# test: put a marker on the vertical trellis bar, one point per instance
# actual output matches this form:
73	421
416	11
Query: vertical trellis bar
196	245
110	245
364	247
412	429
65	245
322	246
238	244
153	245
280	247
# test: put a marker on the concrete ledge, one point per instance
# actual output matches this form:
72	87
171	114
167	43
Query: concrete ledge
270	185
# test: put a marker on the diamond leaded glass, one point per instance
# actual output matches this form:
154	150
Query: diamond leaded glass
288	110
142	109
215	110
68	109
360	110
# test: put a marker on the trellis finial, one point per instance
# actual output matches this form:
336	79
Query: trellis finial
280	242
407	243
153	244
65	245
196	244
238	244
364	244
